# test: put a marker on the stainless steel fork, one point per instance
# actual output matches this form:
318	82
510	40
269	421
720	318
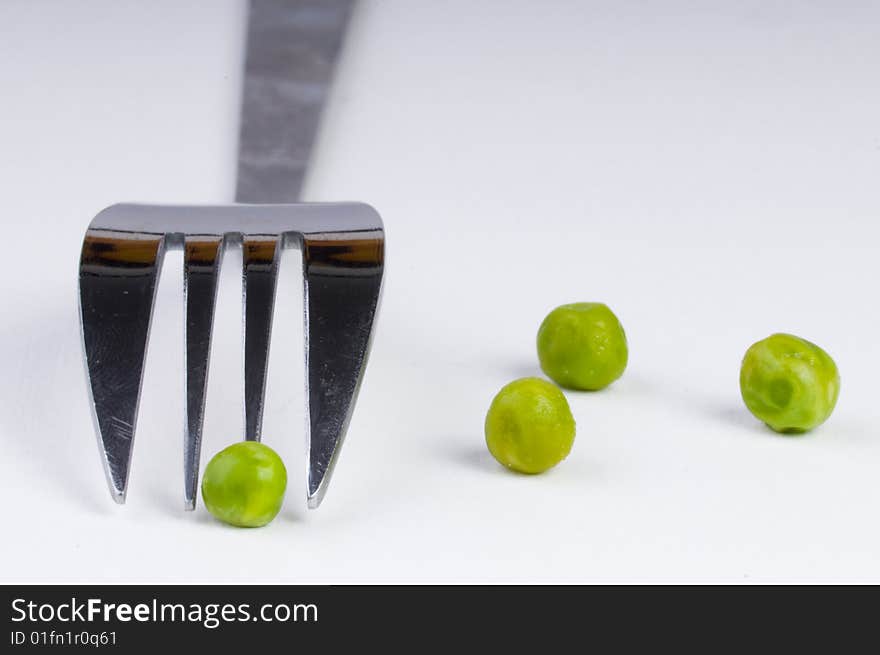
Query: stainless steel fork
292	46
343	261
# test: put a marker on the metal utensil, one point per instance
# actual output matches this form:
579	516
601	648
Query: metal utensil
343	261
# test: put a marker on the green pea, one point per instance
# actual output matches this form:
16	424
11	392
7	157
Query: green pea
529	426
582	346
244	484
789	383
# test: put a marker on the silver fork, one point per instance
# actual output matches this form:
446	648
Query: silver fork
291	45
343	261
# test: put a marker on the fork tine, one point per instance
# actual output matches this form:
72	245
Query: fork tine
202	255
117	284
343	278
260	270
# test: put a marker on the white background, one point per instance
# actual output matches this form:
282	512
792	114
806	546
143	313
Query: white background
710	170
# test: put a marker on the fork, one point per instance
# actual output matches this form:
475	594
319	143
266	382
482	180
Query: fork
342	248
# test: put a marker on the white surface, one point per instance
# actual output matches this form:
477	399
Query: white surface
709	170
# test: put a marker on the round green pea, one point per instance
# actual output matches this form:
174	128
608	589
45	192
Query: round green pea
789	383
582	346
529	426
244	484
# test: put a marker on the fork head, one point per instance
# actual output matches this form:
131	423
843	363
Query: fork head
343	261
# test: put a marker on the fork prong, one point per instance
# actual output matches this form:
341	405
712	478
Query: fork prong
202	255
117	285
343	278
260	269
